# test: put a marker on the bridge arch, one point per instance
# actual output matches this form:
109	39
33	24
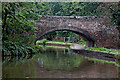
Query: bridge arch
89	39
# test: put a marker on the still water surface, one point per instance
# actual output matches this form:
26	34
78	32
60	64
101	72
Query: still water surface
58	63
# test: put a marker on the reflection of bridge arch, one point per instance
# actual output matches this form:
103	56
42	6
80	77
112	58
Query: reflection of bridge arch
83	33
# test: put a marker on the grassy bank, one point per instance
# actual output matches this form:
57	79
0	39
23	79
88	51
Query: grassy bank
102	49
44	42
109	51
61	47
103	61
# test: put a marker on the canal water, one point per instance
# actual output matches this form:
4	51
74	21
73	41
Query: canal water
58	63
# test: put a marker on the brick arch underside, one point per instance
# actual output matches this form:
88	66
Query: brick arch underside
89	39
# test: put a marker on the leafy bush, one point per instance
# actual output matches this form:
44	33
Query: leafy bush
11	48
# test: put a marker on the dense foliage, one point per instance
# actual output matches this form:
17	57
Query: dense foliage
68	36
16	49
69	8
116	17
18	24
18	20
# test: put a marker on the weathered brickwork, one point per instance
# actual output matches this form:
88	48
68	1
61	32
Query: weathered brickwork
97	30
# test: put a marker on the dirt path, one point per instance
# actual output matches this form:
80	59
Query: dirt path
77	46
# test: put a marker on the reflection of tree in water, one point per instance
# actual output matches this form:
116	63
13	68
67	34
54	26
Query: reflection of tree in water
18	68
59	60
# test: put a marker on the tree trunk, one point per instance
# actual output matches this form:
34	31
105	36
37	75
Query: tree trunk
5	21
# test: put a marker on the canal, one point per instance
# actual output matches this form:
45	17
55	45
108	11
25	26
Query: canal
58	63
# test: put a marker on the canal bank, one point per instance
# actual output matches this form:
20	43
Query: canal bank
45	42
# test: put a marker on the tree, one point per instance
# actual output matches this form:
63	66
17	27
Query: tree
68	8
116	17
18	27
18	21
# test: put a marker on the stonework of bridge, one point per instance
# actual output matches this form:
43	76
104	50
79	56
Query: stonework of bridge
94	30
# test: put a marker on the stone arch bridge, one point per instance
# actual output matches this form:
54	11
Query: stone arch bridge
94	30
